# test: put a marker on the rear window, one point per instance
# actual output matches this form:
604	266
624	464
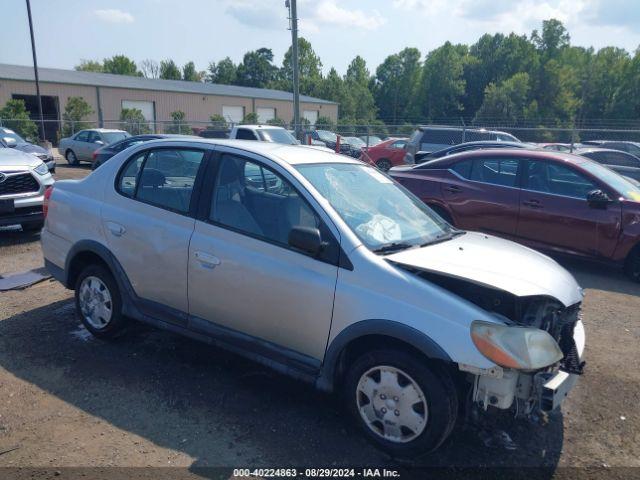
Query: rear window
442	137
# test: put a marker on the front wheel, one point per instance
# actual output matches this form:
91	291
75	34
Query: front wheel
98	302
384	164
405	406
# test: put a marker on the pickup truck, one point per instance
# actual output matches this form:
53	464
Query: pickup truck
268	133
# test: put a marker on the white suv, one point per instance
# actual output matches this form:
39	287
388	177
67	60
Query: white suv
24	178
322	268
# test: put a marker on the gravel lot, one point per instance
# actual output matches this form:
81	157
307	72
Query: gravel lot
156	399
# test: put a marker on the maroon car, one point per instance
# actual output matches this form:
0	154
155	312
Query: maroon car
550	201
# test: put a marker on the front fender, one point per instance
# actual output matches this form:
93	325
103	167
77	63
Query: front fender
387	328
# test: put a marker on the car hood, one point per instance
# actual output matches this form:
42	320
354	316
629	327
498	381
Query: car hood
31	148
13	159
497	263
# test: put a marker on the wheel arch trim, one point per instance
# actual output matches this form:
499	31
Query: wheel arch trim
378	327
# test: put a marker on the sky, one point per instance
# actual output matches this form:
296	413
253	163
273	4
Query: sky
208	30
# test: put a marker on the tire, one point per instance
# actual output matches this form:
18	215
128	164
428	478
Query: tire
443	213
384	164
632	264
432	416
32	226
99	303
72	158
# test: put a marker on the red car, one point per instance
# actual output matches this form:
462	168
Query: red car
385	154
550	201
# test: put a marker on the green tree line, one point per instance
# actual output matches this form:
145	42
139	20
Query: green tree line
505	80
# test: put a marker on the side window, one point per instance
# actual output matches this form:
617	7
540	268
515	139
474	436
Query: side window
497	171
620	159
129	176
253	199
400	144
442	137
165	178
557	179
245	134
94	137
82	136
463	168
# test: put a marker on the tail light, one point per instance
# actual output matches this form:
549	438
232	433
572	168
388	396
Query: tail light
47	197
94	155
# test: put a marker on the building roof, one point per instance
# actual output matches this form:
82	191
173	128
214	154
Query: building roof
57	75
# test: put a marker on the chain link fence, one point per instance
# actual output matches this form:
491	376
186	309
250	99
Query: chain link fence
445	133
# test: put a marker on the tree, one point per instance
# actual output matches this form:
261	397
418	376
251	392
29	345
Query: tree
75	112
506	102
218	121
169	70
150	68
121	65
14	115
395	86
250	118
553	39
190	74
310	68
132	120
178	125
257	69
224	72
325	123
277	122
443	86
357	72
89	66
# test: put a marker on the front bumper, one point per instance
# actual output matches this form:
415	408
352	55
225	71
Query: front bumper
533	394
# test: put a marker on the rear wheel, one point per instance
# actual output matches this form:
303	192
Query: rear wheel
98	302
405	406
632	265
71	158
384	164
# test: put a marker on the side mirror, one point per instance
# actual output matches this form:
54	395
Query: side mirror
306	239
11	142
98	142
598	199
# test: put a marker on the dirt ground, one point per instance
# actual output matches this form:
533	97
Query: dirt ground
156	399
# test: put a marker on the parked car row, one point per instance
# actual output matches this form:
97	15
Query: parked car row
324	268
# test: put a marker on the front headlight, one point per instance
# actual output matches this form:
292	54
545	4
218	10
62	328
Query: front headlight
41	169
522	348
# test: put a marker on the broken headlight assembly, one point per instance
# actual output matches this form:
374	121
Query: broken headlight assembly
512	346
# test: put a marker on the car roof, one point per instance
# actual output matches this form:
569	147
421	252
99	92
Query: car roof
582	150
514	152
289	154
259	127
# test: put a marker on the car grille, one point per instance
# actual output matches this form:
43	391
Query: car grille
17	184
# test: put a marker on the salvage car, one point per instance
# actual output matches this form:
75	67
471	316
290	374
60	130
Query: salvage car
554	202
24	179
322	268
80	147
10	139
386	154
624	163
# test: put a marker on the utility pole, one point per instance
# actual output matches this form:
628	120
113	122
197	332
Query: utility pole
293	25
35	69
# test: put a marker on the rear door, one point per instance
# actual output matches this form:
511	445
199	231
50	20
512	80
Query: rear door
554	212
243	275
148	219
483	194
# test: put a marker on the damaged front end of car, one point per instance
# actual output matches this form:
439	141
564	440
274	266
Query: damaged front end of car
537	346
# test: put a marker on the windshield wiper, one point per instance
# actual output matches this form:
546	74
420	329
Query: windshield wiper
443	237
393	247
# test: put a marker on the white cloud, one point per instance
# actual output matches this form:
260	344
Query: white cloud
329	13
113	15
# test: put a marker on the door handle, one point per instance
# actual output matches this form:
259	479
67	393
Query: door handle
207	260
532	203
116	229
452	189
